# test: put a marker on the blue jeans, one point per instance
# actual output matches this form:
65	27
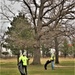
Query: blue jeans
52	65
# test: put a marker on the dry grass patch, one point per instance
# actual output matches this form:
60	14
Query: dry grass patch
8	60
66	59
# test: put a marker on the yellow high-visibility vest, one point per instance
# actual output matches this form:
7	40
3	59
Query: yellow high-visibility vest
24	60
52	57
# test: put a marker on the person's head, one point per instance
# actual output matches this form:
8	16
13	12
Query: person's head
24	54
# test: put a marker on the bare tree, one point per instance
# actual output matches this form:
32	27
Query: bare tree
51	14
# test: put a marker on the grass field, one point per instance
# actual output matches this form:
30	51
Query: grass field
66	67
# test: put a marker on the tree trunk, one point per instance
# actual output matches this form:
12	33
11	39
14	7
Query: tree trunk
36	59
18	55
74	55
56	48
0	51
36	56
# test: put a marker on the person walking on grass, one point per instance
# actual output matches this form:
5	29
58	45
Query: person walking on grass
24	60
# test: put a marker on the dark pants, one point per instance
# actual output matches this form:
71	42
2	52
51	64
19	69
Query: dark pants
22	69
25	69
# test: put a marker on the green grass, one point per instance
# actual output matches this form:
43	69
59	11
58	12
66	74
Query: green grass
64	68
67	63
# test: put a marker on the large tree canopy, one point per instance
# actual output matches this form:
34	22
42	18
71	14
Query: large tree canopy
51	18
19	34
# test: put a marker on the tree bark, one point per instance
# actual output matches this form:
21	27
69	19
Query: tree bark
56	54
36	57
0	51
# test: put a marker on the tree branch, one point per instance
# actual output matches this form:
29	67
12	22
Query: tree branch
51	8
28	7
35	3
6	17
33	16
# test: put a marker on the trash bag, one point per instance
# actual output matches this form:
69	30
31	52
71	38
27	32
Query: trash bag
20	67
45	65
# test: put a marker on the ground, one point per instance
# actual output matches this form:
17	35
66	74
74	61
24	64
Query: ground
66	67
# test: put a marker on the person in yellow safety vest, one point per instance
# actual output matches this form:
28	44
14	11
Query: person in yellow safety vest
52	58
24	60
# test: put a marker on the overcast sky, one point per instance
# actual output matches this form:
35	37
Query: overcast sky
14	6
